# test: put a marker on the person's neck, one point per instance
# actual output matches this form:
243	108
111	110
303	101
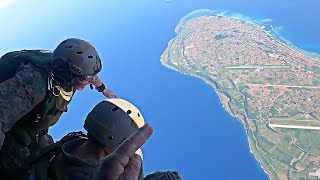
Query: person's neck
90	151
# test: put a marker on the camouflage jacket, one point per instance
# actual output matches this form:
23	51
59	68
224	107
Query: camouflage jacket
26	95
67	166
22	99
64	165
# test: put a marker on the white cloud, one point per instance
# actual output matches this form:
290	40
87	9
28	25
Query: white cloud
278	28
266	20
6	3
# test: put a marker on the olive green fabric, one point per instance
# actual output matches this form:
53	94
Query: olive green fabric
63	165
40	161
27	108
66	166
11	61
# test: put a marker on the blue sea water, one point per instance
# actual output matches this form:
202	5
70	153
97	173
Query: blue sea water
192	132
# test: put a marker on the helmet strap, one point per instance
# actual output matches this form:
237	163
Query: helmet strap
62	72
107	150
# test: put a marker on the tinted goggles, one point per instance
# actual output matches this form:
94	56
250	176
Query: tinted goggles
87	78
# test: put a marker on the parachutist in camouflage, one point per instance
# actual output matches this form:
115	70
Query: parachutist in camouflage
109	124
35	88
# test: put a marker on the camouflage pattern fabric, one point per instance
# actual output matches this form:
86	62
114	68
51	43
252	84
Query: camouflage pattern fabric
19	95
43	142
12	157
168	175
68	167
27	109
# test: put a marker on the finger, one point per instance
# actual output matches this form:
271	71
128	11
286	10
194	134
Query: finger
132	170
128	147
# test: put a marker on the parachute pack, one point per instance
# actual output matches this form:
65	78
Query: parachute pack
39	163
10	62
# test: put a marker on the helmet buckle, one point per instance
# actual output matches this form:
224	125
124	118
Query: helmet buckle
56	91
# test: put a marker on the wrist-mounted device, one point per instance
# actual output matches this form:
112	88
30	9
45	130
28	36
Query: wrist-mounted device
101	88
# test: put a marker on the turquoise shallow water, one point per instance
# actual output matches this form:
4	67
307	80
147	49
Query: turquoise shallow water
193	134
273	31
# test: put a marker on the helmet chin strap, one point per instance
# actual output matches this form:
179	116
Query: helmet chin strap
63	80
107	150
61	74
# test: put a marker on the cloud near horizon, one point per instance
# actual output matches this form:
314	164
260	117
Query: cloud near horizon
266	20
6	3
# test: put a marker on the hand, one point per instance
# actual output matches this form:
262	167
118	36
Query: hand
123	163
108	93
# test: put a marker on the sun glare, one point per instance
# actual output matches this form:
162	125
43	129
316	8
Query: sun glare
6	3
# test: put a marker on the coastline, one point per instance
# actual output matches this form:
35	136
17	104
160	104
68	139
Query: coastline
224	99
288	44
224	102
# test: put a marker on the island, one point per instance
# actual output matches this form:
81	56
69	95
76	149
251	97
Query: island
273	89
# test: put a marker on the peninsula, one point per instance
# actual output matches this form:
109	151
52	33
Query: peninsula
272	89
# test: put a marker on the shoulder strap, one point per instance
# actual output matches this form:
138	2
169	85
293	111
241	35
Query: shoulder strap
39	164
10	62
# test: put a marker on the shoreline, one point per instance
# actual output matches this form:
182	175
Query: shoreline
297	55
222	99
221	14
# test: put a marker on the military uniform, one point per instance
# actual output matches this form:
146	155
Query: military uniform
23	122
58	161
19	95
64	165
108	124
35	88
67	166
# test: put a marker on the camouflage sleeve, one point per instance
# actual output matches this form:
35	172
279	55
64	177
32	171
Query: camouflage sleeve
19	95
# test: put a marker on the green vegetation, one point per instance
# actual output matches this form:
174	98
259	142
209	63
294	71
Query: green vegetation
285	103
282	156
264	143
273	111
305	108
293	112
261	157
252	113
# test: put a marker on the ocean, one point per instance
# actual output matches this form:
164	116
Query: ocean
193	134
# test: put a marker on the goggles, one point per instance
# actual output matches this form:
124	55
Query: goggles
87	78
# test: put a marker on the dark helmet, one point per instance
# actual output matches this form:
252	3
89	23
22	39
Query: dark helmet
111	121
76	57
164	175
